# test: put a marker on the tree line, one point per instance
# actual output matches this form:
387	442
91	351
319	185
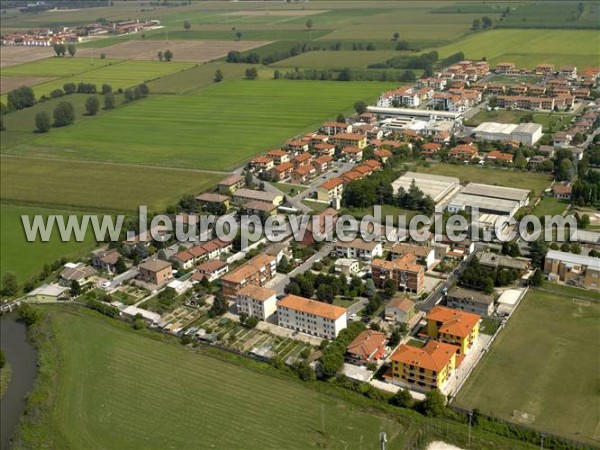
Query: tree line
346	74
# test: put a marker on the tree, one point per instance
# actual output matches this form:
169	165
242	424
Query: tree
10	285
187	26
64	114
219	306
106	88
109	100
325	293
42	122
248	179
389	288
251	73
309	24
434	404
238	36
537	278
2	359
92	105
476	24
160	55
120	265
75	288
129	96
20	98
168	55
360	106
486	22
71	49
60	49
402	398
69	88
305	372
218	76
341	118
276	75
396	36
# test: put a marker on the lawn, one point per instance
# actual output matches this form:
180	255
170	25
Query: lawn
290	189
545	364
25	258
535	182
337	59
119	389
218	128
550	122
92	186
528	48
550	206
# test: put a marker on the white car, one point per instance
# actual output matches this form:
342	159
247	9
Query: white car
106	284
352	316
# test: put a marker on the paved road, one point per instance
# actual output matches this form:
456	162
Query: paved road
306	265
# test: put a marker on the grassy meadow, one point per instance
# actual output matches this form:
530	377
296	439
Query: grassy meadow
217	128
545	364
549	121
25	258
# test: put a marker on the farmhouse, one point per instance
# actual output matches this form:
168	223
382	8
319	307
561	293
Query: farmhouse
311	316
470	301
155	271
453	327
367	347
256	301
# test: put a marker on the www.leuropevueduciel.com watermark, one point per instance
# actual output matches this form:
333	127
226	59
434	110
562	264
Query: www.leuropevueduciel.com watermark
276	228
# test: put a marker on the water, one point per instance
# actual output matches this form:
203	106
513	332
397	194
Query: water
22	357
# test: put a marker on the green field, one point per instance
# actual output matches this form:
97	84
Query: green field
545	364
218	128
535	182
25	258
550	122
119	389
527	48
550	206
97	186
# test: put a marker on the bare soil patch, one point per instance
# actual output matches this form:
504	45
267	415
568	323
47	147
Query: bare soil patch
11	55
193	51
9	83
291	12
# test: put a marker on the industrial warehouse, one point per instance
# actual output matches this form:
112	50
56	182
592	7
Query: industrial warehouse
524	133
436	186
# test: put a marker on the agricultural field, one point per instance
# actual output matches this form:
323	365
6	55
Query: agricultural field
550	121
528	48
7	84
542	375
184	50
536	182
12	56
93	186
24	258
183	389
216	128
337	59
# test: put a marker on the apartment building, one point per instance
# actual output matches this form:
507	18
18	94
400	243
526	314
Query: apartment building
452	326
424	255
405	272
330	189
155	271
358	249
256	301
471	301
257	272
350	140
311	316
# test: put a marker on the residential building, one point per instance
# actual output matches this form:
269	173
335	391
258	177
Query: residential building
212	269
495	261
296	147
382	154
424	255
281	171
430	149
242	196
333	128
347	266
320	227
353	154
278	156
504	67
257	272
325	149
330	189
262	163
562	191
210	200
155	271
471	301
322	163
303	174
311	316
358	249
454	327
498	156
569	267
79	272
230	184
400	310
405	272
350	140
105	259
48	293
303	159
424	368
367	347
464	152
256	301
256	207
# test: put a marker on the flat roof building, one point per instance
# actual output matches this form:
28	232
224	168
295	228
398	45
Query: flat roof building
311	316
463	202
499	192
436	186
526	133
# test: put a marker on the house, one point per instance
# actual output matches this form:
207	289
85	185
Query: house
424	255
471	301
569	267
430	149
155	271
424	368
311	316
320	227
105	259
330	189
454	327
230	184
382	154
296	147
562	138
367	347
322	163
443	137
303	174
352	175
256	301
332	128
504	67
47	293
544	69
498	156
350	140
79	272
280	251
281	171
358	249
400	310
257	272
262	163
212	269
243	196
145	238
546	150
301	160
325	149
346	266
406	274
463	152
562	191
353	154
497	262
373	164
278	156
184	259
211	200
256	207
569	72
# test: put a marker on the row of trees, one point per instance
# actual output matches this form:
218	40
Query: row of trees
64	114
484	279
62	49
167	55
346	74
482	24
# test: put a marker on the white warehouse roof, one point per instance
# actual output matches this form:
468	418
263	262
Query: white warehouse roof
436	186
